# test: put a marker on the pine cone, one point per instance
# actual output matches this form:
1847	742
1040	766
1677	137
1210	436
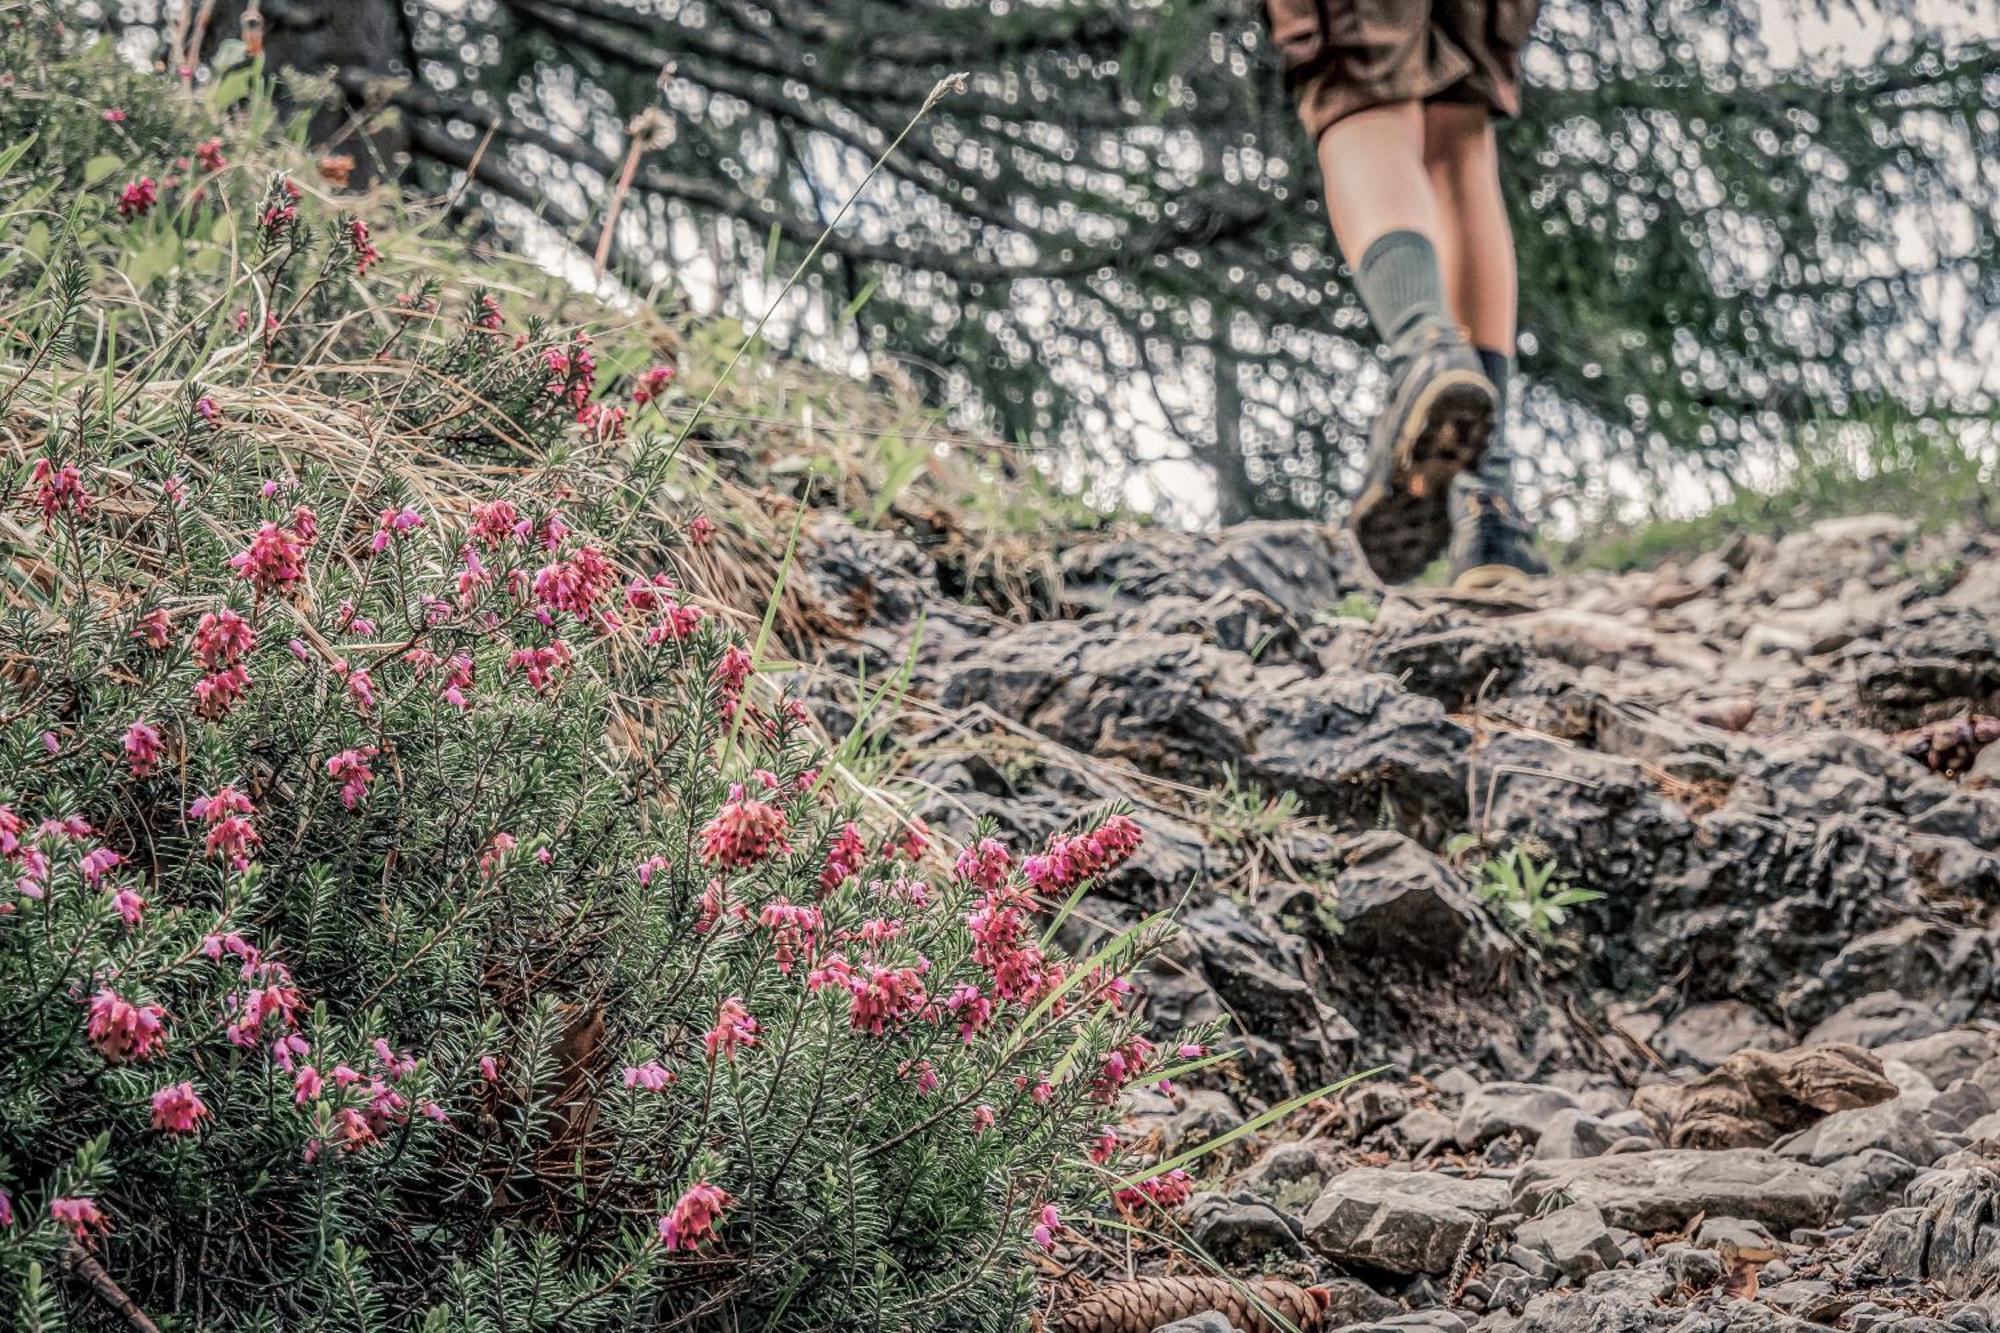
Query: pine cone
1144	1304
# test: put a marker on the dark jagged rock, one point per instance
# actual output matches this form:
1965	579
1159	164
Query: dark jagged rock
1305	568
1950	657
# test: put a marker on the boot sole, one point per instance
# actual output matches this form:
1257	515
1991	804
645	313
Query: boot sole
1404	524
1486	578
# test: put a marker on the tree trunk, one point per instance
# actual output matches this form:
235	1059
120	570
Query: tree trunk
1235	495
362	44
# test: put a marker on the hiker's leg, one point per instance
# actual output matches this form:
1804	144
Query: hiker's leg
1474	241
1385	214
1372	163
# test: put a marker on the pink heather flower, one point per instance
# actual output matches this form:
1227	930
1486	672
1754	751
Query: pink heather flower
489	1069
230	834
81	1216
693	1218
652	1076
982	1118
222	638
218	692
651	866
396	1066
1122	1064
97	863
1169	1191
885	995
51	743
260	1005
305	522
205	408
273	561
490	317
129	905
1046	1229
457	680
1071	860
652	384
602	421
178	1109
702	529
985	866
971	1008
575	584
138	197
916	836
1103	1145
113	115
143	748
733	1028
494	854
542	665
926	1076
493	525
361	688
307	1084
6	1209
155	630
846	857
58	490
743	832
209	153
1191	1051
796	928
121	1030
365	252
391	524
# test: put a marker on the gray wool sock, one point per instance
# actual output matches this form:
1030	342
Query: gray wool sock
1401	284
1496	467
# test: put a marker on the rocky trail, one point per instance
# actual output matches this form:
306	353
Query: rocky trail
1754	1085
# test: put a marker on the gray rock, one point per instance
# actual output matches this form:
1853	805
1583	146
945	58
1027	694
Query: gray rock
1945	1057
1351	1302
1572	1134
1455	1083
1575	1239
1373	1105
1958	1106
1621	1301
1716	1233
1986	1129
1291	1175
1208	1321
1663	1190
1393	896
1417	1321
1509	1108
1242	1232
1876	1020
1691	1267
1401	1221
1892	1126
1708	1034
1424	1127
1871	1182
1208	1113
1946	1235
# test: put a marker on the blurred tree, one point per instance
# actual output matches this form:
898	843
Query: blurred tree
1112	241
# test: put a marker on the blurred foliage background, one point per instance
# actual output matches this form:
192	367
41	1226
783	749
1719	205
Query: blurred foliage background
1739	220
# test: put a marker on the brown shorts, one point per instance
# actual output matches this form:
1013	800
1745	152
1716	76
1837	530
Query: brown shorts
1344	56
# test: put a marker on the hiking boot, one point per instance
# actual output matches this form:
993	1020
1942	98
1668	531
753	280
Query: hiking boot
1491	546
1440	412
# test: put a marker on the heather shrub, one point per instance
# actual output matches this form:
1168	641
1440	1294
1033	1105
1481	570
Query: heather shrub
420	911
